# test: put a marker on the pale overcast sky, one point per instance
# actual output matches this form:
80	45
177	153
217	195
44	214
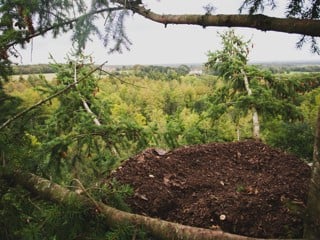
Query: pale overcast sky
155	44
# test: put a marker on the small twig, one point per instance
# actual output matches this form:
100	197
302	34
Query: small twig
88	195
35	205
20	114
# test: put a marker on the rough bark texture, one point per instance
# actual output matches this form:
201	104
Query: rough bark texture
259	21
312	222
159	228
255	116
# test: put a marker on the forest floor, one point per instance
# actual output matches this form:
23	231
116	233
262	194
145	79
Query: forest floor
246	188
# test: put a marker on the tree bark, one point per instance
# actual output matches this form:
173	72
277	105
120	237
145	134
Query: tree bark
259	21
255	116
159	228
255	123
312	221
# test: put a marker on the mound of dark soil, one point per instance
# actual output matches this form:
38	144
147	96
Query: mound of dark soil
245	188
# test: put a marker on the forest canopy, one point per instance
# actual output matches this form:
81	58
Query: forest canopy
76	128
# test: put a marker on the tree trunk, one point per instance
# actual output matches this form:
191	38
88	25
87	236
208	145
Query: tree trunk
238	132
255	116
256	125
158	228
312	221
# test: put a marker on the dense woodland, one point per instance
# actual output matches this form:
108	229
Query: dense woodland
136	108
60	137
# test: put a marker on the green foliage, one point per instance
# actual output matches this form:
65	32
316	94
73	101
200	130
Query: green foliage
24	216
290	67
32	69
61	141
126	232
16	97
114	194
160	72
296	137
230	62
81	139
83	134
239	80
294	9
272	95
20	22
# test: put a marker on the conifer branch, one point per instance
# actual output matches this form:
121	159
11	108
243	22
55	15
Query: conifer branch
22	113
84	102
41	32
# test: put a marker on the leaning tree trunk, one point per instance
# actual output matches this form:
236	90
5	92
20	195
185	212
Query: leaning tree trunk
312	221
255	116
158	228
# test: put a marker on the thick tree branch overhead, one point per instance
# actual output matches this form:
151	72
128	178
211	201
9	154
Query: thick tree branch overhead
309	27
83	25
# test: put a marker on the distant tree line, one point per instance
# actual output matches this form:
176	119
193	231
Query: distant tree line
160	72
33	69
287	68
156	71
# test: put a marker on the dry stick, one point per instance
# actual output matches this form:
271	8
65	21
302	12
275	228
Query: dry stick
88	195
20	114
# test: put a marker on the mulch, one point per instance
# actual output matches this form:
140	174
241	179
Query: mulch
246	188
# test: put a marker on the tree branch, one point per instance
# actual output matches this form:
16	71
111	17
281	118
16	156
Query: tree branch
84	102
308	27
262	22
67	22
20	114
113	217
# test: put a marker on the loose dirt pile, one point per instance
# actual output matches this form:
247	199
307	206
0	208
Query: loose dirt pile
245	188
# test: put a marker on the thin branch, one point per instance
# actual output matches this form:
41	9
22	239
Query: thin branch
50	97
84	102
88	109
